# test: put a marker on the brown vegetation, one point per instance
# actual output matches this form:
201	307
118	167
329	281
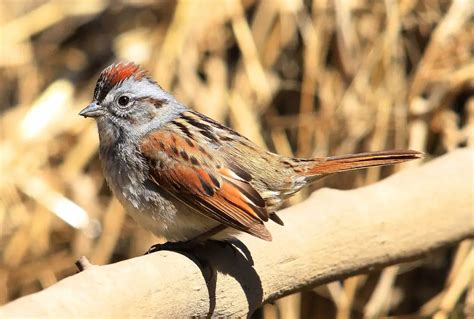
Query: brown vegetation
298	77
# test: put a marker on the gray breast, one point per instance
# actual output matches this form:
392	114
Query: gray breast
127	175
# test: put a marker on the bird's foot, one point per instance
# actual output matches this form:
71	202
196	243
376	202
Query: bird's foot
183	246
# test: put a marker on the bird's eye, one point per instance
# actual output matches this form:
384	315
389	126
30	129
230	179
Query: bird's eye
123	100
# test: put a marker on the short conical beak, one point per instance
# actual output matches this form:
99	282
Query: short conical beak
92	110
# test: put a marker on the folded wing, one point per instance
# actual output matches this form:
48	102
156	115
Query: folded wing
193	175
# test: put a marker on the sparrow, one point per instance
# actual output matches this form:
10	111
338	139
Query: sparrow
184	176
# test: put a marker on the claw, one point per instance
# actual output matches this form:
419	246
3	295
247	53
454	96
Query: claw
184	246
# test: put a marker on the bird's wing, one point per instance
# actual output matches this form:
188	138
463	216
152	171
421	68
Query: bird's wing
198	177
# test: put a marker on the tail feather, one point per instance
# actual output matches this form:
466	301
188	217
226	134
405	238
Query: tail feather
343	163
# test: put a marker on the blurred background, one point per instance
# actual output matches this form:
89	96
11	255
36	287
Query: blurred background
303	78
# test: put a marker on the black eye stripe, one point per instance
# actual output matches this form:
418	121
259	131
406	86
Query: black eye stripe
156	102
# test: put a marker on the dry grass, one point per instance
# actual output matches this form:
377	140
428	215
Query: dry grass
307	79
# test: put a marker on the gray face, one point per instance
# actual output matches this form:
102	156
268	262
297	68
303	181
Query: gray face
131	109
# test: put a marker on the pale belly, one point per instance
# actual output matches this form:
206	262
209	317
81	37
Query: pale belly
163	215
153	208
181	225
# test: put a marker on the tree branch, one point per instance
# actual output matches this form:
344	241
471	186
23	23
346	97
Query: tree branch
331	235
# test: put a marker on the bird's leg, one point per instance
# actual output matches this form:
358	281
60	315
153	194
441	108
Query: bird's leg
189	244
171	246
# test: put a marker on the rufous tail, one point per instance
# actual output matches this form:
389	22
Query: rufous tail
343	163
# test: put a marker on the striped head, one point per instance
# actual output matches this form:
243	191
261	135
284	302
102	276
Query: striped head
127	101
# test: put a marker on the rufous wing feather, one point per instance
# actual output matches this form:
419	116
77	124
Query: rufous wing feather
207	186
